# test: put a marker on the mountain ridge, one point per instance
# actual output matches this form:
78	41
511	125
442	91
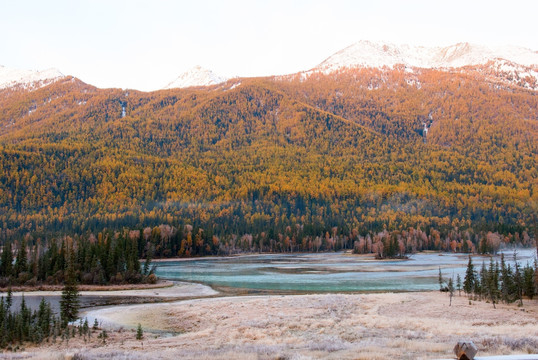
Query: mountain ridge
28	79
196	76
379	54
509	64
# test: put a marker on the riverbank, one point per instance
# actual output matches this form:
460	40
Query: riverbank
332	326
100	288
166	291
363	257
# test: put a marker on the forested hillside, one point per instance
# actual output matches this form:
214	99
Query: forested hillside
298	163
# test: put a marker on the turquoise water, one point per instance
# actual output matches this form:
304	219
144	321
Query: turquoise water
326	272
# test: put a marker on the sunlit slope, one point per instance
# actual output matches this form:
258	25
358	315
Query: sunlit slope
347	149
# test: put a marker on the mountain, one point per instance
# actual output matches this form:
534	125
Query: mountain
29	79
380	54
197	76
285	161
345	151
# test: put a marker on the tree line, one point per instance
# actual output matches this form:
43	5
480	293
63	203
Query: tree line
39	325
24	325
500	282
112	257
101	260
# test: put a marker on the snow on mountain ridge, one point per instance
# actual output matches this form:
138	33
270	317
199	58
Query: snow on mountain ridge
379	54
10	77
197	76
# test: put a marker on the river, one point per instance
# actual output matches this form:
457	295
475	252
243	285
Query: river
328	272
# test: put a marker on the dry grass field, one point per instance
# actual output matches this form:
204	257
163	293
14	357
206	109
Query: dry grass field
332	326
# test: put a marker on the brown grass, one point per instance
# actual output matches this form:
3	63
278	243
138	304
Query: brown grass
366	326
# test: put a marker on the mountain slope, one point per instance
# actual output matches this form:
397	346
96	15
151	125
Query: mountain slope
284	160
345	150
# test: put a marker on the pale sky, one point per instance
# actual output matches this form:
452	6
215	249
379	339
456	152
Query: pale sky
146	44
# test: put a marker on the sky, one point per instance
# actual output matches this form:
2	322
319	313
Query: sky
144	45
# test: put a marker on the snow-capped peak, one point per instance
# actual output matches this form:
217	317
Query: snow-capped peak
380	54
197	76
10	77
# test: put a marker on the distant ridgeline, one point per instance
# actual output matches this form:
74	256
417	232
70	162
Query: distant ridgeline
315	162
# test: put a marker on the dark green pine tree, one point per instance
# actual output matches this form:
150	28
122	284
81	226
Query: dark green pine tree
25	315
484	278
3	323
536	271
69	304
3	311
21	263
518	281
491	282
6	261
440	280
497	278
528	281
470	278
477	290
139	332
506	282
9	299
44	317
458	284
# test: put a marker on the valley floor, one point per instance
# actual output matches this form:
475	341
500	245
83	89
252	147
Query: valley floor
331	326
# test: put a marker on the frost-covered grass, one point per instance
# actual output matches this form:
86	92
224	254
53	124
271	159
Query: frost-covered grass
334	326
